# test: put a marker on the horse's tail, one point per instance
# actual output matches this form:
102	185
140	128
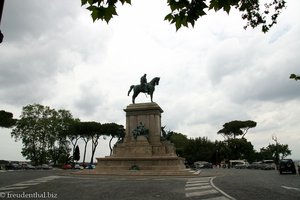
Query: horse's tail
131	87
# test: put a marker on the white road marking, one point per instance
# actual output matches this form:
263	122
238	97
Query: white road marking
201	193
217	198
291	188
197	172
11	188
196	184
204	188
212	184
199	187
192	182
37	181
26	184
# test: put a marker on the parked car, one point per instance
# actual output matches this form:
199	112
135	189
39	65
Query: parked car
67	166
203	165
90	166
27	166
44	166
77	166
255	165
287	165
238	164
243	165
12	166
268	165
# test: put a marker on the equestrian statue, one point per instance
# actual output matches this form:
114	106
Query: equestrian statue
144	87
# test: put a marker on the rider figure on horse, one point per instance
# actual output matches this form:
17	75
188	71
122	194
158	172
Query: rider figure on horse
144	83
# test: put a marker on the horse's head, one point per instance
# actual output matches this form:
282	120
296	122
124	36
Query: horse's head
156	80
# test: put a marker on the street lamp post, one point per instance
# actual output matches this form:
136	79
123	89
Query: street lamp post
276	150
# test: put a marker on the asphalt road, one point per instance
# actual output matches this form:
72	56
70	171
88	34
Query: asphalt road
245	184
215	184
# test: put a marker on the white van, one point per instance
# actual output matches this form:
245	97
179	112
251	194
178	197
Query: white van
268	165
238	164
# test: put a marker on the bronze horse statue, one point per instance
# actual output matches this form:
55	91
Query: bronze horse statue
138	88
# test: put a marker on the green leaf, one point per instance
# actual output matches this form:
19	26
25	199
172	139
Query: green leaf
91	2
169	17
92	8
214	4
178	23
174	5
227	8
184	21
95	15
83	2
125	1
109	12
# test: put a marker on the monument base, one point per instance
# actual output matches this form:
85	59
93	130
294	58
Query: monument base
144	154
140	163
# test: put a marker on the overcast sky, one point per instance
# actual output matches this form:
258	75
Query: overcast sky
54	55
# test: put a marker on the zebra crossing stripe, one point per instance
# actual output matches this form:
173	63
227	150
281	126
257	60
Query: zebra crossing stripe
11	188
203	187
196	184
199	187
37	181
201	193
49	178
217	198
26	184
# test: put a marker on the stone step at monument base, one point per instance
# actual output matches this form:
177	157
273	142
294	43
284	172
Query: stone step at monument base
141	163
154	165
185	172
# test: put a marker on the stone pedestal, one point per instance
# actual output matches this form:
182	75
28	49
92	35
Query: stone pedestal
147	153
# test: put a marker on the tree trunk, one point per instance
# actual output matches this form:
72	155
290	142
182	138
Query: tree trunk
110	145
94	146
85	146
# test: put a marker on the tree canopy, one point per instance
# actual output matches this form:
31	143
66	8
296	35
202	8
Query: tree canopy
114	131
199	149
6	119
236	128
275	152
41	130
240	149
180	141
187	12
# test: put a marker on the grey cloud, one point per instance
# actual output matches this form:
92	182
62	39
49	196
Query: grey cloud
89	99
33	18
26	77
266	83
42	42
